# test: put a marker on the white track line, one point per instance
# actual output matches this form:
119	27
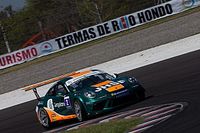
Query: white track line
149	121
142	112
141	129
159	115
158	111
119	65
153	118
153	122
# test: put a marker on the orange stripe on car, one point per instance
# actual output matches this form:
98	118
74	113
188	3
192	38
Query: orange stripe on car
102	83
115	88
53	116
78	74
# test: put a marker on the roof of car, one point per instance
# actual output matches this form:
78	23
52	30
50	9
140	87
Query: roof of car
77	75
63	78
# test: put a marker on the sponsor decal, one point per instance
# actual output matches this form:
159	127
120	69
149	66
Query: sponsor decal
58	105
51	105
120	93
110	86
46	48
40	103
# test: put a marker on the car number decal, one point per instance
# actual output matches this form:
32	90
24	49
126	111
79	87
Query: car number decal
110	86
67	101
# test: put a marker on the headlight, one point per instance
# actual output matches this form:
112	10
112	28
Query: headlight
132	80
121	81
90	94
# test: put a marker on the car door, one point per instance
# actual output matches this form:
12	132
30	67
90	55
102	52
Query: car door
61	100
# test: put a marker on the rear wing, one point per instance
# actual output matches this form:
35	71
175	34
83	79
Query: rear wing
36	93
34	87
30	87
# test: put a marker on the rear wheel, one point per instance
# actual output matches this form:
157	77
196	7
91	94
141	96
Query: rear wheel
79	111
44	118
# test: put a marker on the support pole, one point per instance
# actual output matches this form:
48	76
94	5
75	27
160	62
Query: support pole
5	38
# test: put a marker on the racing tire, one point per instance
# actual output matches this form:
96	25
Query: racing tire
44	118
79	111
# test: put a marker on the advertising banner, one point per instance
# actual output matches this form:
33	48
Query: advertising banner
98	31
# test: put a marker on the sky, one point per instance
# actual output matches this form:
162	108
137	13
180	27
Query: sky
16	4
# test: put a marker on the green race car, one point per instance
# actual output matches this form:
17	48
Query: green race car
84	94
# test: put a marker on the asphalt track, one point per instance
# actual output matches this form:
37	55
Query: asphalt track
105	51
173	80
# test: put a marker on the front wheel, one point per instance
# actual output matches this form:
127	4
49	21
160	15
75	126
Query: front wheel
79	111
44	118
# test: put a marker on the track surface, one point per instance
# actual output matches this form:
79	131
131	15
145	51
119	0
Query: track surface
174	80
102	52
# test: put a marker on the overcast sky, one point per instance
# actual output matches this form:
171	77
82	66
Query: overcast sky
16	4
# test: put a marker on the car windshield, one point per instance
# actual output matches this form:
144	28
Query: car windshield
90	80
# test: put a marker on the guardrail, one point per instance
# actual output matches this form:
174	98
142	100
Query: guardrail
97	31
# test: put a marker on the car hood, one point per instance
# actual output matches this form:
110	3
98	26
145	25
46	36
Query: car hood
108	86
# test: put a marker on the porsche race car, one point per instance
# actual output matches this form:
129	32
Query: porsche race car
84	94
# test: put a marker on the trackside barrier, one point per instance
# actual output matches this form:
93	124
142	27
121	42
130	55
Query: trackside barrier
97	31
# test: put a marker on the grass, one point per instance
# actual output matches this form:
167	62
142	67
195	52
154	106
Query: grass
95	42
119	126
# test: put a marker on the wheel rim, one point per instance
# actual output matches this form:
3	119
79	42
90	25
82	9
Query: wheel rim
44	120
78	112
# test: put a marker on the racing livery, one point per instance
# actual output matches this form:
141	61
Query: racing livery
84	94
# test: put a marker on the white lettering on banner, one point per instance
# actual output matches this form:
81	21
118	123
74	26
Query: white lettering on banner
98	31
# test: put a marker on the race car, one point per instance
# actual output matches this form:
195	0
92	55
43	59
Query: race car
87	93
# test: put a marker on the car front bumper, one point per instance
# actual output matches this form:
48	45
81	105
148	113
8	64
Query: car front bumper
112	101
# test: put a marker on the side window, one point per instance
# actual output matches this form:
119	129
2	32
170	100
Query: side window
108	76
61	89
75	86
51	92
